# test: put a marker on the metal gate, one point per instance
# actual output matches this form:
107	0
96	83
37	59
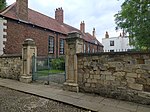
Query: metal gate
48	69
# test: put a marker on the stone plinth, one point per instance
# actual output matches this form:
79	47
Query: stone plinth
71	87
26	79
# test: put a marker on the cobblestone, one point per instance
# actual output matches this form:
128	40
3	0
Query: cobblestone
14	101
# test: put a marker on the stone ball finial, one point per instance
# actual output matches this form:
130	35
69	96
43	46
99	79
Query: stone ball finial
29	42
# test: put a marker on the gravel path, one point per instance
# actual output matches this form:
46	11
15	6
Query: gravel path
56	78
14	101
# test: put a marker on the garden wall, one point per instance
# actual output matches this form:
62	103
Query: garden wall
11	66
122	75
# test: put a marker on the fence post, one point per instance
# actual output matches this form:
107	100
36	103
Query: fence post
74	45
29	49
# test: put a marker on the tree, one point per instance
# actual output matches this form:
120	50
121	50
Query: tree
2	4
134	18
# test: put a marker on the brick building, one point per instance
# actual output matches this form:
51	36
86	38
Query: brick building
18	22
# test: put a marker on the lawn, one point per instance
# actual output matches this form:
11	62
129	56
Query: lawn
46	72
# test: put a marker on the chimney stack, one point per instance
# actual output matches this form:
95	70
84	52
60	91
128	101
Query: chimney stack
120	35
106	35
59	15
82	27
93	32
123	33
22	9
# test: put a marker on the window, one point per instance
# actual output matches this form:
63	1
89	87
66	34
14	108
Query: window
111	43
51	45
93	50
61	46
84	48
88	48
111	50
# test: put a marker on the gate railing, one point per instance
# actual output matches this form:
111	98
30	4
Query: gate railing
48	69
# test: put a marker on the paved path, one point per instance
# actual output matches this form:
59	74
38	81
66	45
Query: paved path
88	101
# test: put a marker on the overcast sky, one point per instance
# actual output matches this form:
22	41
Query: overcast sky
95	13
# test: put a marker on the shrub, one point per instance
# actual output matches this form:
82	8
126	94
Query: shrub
58	63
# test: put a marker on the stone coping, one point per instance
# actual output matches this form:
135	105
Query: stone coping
112	53
11	56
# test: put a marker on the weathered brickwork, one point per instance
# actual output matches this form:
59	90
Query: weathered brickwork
10	67
118	75
15	38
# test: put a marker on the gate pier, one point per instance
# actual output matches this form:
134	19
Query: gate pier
74	45
29	49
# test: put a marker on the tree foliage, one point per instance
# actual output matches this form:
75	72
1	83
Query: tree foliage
134	18
2	4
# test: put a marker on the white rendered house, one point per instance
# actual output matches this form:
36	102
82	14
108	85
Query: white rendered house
116	44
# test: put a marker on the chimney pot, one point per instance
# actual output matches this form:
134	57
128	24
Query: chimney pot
106	35
120	35
59	16
82	27
123	33
93	32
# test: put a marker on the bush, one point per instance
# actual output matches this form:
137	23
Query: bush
58	63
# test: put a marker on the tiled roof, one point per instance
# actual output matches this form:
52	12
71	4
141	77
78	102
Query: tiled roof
44	21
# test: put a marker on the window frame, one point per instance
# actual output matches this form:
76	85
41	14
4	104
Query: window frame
61	47
93	50
112	43
88	48
51	45
84	47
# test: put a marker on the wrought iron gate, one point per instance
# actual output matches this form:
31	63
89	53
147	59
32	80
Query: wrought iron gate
48	69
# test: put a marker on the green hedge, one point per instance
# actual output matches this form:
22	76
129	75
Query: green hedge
58	63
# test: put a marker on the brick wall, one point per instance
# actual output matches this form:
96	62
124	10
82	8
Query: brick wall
10	66
17	32
119	75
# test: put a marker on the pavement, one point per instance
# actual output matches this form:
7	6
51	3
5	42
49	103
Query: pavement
88	101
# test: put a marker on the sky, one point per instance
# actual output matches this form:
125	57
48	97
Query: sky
98	14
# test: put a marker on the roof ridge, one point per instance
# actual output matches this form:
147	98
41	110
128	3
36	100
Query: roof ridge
91	35
7	8
54	19
71	26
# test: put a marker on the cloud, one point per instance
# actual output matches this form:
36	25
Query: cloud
95	13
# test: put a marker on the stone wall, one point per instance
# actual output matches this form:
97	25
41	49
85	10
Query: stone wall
123	75
11	66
